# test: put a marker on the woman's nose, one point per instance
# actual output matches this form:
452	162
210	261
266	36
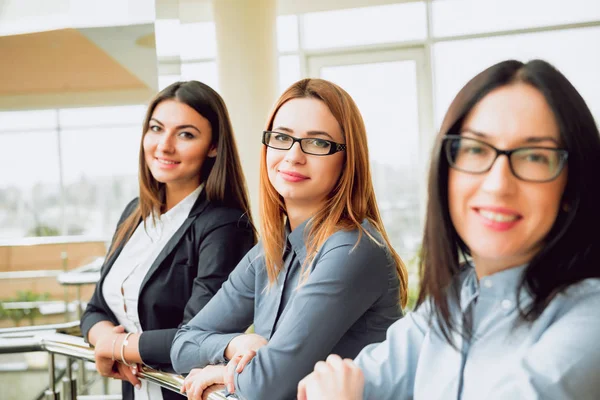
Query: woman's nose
499	179
166	142
295	155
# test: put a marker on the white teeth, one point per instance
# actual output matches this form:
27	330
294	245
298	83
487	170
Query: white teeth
497	217
165	161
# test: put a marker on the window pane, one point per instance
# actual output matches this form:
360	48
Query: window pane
205	72
289	71
568	50
287	33
166	32
456	17
98	116
22	120
100	176
361	26
387	97
198	40
29	184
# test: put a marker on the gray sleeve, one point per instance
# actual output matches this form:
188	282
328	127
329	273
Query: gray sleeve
343	285
229	313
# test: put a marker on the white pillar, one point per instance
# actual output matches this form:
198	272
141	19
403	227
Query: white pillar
247	65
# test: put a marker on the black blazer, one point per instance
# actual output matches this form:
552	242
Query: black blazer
184	277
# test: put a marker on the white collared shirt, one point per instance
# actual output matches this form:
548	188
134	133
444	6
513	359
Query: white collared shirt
122	284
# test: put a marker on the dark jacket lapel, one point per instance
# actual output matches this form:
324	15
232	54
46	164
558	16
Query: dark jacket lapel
199	206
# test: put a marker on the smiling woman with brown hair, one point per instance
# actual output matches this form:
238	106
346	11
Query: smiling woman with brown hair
176	243
323	278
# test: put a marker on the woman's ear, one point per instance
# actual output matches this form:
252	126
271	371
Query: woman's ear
212	153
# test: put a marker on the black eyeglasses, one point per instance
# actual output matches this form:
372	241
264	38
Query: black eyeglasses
533	164
314	146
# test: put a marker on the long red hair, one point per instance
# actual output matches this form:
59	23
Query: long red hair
349	203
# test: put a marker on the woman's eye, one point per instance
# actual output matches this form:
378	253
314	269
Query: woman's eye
319	143
537	158
187	135
473	150
155	128
282	138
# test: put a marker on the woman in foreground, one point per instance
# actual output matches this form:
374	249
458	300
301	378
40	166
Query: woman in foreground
509	300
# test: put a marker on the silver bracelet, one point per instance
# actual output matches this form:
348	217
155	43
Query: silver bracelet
123	344
112	354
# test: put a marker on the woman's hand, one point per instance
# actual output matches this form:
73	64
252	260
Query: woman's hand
243	348
212	389
199	379
103	354
333	379
125	373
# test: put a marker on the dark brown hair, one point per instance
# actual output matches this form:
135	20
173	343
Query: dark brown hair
572	248
223	175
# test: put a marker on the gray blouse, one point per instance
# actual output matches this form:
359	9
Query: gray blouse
348	302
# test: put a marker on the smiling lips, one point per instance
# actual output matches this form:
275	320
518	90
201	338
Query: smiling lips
498	219
165	163
291	176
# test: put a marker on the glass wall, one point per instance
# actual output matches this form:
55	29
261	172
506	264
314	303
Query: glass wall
72	171
67	171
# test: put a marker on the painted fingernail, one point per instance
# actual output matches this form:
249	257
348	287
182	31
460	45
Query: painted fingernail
138	386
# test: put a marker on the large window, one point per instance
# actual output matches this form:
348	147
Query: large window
459	17
29	182
72	171
403	97
363	26
69	171
569	50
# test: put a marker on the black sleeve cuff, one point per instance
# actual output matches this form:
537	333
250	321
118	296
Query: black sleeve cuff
155	347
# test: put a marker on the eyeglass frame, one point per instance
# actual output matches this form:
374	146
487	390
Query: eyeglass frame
335	147
564	154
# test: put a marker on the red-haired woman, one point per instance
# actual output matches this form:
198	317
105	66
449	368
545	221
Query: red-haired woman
323	278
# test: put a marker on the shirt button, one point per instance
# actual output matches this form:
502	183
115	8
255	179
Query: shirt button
506	304
487	283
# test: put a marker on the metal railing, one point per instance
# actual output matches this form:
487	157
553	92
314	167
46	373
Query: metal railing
53	340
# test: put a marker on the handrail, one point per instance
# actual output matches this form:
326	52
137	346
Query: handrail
30	305
76	348
41	240
69	328
33	274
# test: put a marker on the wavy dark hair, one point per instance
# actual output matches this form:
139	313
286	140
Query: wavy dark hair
223	175
571	251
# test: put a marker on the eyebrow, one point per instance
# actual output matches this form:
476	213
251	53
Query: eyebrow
309	133
177	127
530	139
